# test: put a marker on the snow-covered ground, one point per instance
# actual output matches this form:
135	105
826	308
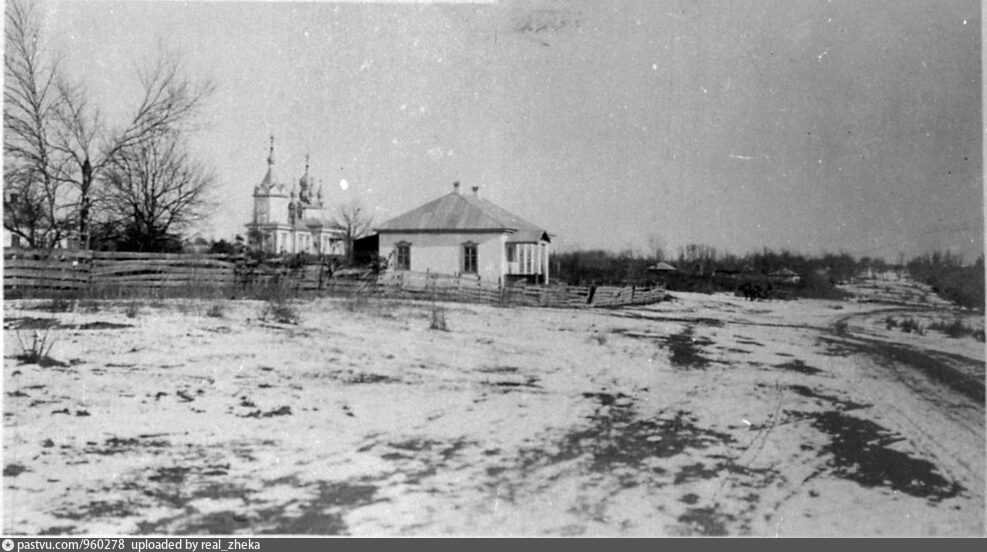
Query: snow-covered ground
706	415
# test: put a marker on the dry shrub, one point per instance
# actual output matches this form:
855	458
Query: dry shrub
133	309
275	291
38	350
910	325
370	305
356	302
89	305
60	304
439	319
217	310
188	308
957	329
282	313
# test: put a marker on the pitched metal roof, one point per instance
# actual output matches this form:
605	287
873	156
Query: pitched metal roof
464	213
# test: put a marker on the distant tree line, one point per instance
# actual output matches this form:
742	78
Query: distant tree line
627	266
950	278
702	268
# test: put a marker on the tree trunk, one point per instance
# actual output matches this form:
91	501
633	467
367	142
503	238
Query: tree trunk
84	203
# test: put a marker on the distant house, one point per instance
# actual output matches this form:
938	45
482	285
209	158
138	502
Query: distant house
784	276
661	266
197	244
464	234
11	239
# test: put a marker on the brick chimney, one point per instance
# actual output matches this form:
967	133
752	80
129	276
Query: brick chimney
455	186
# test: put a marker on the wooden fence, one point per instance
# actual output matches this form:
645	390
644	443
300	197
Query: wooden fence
68	270
41	273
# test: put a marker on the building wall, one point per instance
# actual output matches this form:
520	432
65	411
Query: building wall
270	209
442	252
262	210
279	209
312	211
287	239
271	216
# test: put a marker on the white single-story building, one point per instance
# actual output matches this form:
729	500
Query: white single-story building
464	234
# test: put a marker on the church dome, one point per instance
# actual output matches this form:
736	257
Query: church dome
305	180
305	185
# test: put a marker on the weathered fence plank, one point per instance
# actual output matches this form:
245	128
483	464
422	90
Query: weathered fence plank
39	270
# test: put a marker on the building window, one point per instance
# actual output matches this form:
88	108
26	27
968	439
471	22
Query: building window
469	258
511	252
403	256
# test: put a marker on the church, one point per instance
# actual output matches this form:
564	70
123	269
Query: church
291	221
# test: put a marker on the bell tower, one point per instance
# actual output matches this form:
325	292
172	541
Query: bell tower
270	198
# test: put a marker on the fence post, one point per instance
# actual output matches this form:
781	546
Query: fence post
90	272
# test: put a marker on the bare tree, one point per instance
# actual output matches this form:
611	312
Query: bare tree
35	200
57	145
698	256
656	246
353	222
169	101
153	190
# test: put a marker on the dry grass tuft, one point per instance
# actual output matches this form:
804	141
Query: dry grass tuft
133	309
38	350
911	325
439	319
957	329
282	313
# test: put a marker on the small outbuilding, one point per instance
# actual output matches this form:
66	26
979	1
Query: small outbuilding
784	276
661	272
662	267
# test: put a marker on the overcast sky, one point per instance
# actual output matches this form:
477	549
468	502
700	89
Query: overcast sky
807	125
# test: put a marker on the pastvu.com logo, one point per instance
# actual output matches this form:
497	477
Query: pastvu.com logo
8	545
